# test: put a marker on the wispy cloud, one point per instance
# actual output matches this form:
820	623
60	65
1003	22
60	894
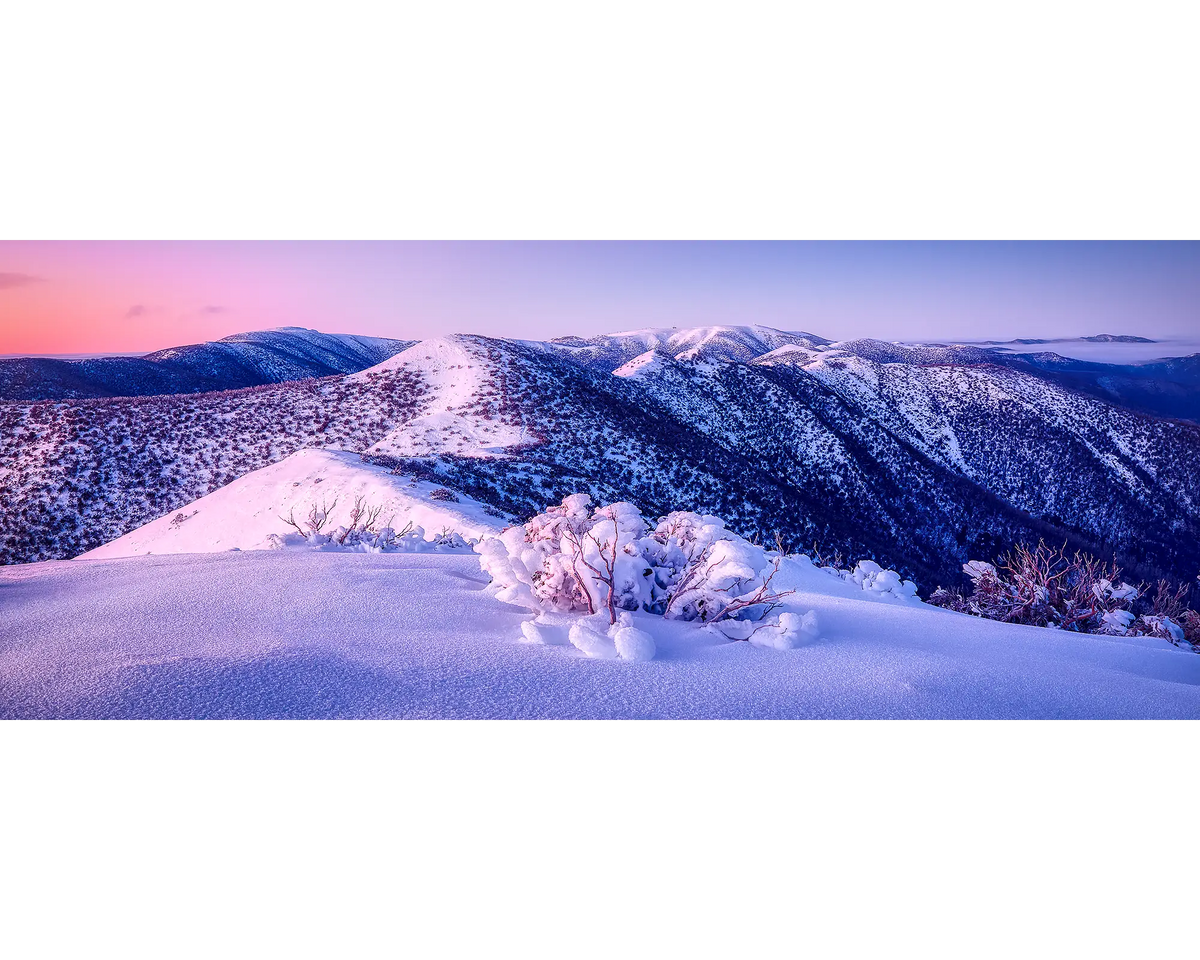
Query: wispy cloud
10	281
213	310
137	310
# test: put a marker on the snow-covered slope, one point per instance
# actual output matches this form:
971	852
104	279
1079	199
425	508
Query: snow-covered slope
247	512
456	375
295	353
79	473
302	634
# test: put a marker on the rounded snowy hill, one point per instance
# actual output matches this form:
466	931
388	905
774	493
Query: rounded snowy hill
247	513
242	360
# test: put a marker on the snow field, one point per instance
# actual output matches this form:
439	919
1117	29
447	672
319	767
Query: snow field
308	634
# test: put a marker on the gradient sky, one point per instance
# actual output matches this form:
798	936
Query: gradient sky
96	297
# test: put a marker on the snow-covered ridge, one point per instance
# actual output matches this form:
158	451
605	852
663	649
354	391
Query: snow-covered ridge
246	359
247	513
713	343
459	376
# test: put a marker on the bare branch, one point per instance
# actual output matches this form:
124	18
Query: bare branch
318	518
290	519
372	516
572	537
761	596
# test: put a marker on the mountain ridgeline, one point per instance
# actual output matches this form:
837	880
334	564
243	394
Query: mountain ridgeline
243	360
918	457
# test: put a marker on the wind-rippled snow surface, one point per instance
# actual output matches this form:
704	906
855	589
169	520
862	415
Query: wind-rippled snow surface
261	635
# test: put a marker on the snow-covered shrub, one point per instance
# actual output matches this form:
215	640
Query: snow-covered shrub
702	571
410	539
875	580
580	559
991	598
444	495
1190	622
790	630
1044	587
887	583
1117	622
949	600
314	523
449	539
570	558
1163	627
1168	608
363	535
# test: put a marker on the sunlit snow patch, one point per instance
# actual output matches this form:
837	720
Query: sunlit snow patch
251	513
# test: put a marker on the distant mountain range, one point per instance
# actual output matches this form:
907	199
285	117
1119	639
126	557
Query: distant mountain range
1164	388
243	360
1099	338
918	457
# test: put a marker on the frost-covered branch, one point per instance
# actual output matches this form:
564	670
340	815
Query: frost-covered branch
762	597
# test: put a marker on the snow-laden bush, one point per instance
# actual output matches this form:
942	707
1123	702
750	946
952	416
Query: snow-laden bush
411	538
1163	627
789	631
1044	587
363	535
583	559
885	583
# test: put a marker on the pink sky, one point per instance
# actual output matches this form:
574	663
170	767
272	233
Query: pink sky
96	297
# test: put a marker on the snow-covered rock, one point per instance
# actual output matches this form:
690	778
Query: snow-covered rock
632	643
593	643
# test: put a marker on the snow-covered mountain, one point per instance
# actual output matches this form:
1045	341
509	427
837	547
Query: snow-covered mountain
242	360
1122	370
921	458
688	343
199	595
